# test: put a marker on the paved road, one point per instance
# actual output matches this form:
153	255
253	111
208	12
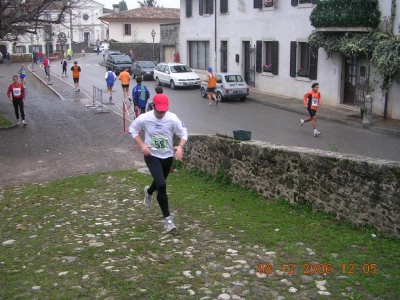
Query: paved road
266	123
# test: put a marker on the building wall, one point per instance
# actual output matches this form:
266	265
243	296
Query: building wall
283	23
140	31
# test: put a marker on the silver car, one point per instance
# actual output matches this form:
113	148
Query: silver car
229	85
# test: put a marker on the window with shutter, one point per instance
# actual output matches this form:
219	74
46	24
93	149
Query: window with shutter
258	56
224	6
206	7
188	8
199	54
303	61
127	29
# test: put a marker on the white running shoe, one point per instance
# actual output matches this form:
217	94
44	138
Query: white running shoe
316	133
210	104
24	123
169	224
18	122
302	122
147	197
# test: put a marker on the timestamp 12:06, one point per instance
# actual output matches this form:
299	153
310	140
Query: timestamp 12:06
315	268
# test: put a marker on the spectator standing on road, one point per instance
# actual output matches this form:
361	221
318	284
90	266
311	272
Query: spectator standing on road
103	52
69	53
83	54
98	50
16	94
76	70
132	55
140	95
110	79
158	90
22	74
125	78
159	126
35	57
64	67
46	66
211	85
8	58
312	100
40	55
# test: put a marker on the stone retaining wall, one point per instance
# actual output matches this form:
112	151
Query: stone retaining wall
359	189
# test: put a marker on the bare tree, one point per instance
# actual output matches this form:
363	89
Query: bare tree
19	17
148	3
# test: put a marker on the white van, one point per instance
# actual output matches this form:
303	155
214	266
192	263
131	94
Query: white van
101	48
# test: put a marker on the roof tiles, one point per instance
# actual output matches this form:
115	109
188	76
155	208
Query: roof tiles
146	12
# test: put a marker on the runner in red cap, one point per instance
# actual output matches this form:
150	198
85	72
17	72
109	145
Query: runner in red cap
159	126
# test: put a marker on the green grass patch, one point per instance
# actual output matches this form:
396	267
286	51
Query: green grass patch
4	122
97	230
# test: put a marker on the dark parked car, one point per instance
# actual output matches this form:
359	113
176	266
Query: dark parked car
144	69
118	63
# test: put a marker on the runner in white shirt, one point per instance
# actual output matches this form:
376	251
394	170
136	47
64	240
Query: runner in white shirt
159	126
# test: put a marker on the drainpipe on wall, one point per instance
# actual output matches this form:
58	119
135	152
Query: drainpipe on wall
215	36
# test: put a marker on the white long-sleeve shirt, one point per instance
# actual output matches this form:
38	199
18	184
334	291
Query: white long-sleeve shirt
159	132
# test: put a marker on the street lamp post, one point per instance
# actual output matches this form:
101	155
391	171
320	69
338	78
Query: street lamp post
47	40
33	69
153	34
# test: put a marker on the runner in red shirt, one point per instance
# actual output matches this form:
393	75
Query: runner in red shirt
16	94
46	66
312	100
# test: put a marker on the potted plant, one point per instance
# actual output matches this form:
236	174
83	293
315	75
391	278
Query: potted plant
269	3
267	68
303	72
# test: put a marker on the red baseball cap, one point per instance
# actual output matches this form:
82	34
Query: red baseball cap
161	102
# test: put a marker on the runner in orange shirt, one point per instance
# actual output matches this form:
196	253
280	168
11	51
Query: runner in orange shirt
125	78
312	100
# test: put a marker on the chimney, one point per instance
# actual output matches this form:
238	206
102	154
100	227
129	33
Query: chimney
116	8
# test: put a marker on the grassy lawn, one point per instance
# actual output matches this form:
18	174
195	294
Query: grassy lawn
90	237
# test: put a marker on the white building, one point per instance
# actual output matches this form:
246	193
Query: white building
82	27
245	35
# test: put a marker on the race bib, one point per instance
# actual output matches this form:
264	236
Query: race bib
159	143
314	101
17	92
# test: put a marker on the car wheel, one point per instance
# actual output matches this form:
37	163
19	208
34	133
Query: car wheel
172	84
242	98
220	98
203	92
158	83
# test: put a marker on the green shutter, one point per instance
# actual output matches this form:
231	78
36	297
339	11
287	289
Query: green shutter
258	4
188	8
224	6
295	2
313	63
275	57
201	7
293	54
258	56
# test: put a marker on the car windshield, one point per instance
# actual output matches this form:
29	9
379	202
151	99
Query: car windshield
180	69
123	59
147	64
233	78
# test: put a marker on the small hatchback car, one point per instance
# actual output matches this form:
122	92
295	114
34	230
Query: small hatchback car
176	75
229	85
144	69
118	63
